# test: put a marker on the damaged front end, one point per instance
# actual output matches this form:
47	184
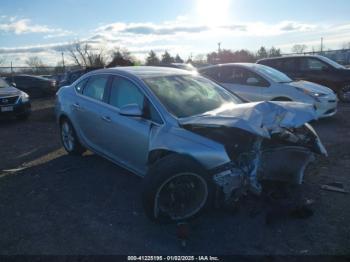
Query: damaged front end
269	141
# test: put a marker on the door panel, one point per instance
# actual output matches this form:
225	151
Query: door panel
87	110
237	79
128	137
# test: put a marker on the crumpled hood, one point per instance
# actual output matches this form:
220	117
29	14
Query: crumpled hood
312	87
9	91
260	118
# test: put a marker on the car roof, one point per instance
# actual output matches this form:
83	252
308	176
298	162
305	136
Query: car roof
288	57
143	71
246	65
31	76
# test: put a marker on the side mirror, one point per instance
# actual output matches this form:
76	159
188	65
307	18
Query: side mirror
13	84
131	110
252	81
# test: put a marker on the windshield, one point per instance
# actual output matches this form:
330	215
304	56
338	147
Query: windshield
274	74
188	95
3	83
331	62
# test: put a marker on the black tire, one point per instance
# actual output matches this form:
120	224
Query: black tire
75	148
344	93
282	99
166	171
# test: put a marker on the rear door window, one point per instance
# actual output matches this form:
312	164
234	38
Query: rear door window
96	87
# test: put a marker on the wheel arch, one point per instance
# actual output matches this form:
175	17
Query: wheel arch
282	98
158	154
62	117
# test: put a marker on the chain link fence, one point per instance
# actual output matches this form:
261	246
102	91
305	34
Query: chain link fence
47	71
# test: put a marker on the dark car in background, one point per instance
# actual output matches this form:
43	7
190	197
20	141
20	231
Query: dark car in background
13	102
70	76
314	68
35	86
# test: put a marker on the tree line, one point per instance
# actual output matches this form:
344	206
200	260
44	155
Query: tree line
84	55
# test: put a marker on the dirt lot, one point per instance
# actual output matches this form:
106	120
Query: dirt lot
52	203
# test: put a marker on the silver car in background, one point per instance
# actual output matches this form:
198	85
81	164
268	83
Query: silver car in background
189	138
256	82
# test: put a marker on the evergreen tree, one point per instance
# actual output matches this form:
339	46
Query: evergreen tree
262	53
167	58
152	59
178	59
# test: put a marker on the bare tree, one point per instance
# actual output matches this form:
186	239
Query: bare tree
299	49
37	65
34	62
199	60
84	55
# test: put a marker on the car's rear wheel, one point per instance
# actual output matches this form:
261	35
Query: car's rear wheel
176	188
69	138
344	93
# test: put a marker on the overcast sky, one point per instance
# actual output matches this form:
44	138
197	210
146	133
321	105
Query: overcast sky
43	28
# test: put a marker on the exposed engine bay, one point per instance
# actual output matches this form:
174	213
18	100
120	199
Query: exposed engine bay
283	157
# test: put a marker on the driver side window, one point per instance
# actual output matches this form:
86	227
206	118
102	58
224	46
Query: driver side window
124	92
312	64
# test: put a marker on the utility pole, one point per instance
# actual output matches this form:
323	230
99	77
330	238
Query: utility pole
64	67
219	47
11	72
321	44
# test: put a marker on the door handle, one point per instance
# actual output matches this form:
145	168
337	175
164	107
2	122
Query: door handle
106	118
77	106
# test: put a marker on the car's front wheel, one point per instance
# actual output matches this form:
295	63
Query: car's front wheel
176	188
69	138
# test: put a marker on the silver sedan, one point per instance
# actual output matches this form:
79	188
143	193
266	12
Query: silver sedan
256	82
189	138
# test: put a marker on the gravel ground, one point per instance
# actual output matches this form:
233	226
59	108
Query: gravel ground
52	203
